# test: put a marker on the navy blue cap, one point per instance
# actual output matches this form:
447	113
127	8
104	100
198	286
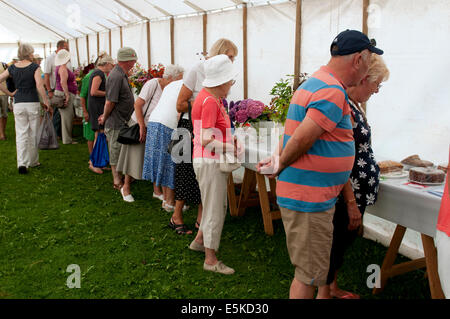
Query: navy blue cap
352	41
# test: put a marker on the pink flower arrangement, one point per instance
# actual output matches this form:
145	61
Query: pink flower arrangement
248	111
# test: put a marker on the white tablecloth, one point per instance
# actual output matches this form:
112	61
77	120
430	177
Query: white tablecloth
409	206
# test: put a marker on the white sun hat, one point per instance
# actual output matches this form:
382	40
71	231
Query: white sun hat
62	57
219	70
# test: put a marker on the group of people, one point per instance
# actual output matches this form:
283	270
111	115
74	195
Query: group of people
326	170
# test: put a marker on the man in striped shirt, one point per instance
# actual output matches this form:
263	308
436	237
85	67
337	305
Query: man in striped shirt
315	159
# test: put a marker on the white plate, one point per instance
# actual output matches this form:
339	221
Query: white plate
393	175
427	184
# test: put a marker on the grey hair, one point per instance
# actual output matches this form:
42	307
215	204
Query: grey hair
173	71
25	51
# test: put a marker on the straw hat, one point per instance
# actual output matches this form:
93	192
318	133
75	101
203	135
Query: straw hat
104	58
62	57
219	70
37	57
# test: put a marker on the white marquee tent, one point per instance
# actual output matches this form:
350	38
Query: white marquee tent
411	114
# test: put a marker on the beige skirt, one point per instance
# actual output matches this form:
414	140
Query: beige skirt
131	159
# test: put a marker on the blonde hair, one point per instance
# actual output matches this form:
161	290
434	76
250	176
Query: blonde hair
377	69
25	51
104	59
222	46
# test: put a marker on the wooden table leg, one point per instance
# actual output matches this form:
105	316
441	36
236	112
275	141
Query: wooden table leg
432	268
389	259
248	185
265	204
232	203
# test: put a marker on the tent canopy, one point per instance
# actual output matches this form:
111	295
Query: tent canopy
52	20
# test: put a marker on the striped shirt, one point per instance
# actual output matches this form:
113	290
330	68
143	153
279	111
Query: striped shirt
313	182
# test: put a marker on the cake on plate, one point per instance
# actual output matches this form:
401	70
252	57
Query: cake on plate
426	175
414	160
443	167
390	167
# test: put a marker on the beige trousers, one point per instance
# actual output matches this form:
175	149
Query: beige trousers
26	117
213	188
67	115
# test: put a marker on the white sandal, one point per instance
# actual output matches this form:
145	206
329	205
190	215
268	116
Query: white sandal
128	198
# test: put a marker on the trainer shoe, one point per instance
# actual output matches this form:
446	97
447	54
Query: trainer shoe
220	268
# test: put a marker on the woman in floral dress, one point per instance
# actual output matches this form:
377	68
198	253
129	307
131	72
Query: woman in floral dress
362	189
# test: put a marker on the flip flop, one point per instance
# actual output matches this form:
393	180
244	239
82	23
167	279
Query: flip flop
348	295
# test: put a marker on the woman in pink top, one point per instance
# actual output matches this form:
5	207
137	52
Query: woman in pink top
212	136
443	238
66	86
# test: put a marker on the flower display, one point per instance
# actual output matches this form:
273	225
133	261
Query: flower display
248	111
81	72
139	76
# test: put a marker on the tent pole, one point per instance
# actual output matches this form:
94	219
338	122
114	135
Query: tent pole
244	43
78	52
298	44
205	29
172	40
45	53
121	37
110	44
98	44
87	47
149	51
365	30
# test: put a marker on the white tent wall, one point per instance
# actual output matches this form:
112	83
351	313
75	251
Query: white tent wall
271	46
9	50
135	36
160	42
115	42
188	35
82	50
92	48
413	106
73	53
228	25
321	22
104	42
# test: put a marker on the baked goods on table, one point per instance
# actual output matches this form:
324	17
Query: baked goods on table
443	167
414	160
426	175
389	167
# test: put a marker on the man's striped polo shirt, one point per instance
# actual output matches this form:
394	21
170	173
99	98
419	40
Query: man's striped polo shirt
313	182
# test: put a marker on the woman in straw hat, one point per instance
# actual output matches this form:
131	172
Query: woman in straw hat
27	78
66	86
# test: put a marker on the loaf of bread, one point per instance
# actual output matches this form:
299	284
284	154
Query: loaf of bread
389	167
426	175
414	160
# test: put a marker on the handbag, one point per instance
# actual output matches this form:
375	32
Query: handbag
173	143
58	100
130	134
228	162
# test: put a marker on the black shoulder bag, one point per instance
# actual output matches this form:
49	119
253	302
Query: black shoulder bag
173	142
131	134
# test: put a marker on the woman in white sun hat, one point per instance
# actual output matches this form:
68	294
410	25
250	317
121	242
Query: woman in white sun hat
66	86
212	136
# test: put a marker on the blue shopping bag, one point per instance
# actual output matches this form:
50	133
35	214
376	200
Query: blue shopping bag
100	156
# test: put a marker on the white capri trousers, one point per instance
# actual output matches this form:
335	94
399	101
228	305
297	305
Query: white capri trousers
443	256
213	188
27	120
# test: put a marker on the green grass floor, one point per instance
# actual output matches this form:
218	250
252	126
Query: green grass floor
62	214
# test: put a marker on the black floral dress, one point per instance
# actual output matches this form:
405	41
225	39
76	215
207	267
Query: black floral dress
365	175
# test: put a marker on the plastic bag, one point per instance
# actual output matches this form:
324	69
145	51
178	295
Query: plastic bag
46	137
100	156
